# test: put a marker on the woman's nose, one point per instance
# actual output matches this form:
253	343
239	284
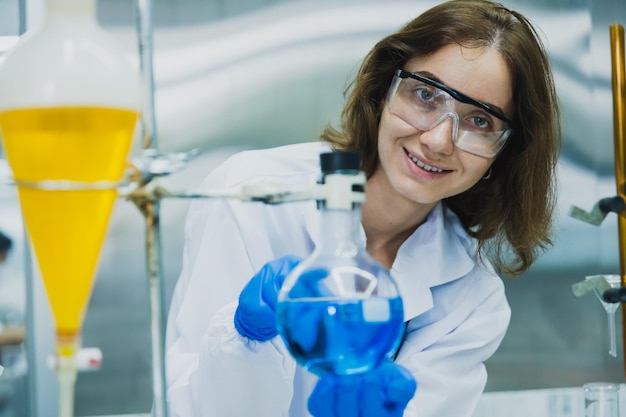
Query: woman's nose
440	137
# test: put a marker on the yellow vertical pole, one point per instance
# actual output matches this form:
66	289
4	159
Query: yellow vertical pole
619	128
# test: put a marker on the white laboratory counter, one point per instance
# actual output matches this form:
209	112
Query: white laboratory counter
554	402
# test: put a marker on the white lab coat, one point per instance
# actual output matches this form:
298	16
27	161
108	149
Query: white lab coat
457	307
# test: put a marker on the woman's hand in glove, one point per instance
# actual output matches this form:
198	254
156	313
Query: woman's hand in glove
255	316
382	392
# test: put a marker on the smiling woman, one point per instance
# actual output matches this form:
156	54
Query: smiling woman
456	119
473	50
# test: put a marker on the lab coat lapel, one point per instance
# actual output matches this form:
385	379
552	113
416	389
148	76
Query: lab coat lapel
436	253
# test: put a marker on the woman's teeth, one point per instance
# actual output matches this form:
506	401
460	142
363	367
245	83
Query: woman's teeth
423	165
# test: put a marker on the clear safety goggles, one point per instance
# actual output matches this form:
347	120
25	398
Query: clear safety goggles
424	103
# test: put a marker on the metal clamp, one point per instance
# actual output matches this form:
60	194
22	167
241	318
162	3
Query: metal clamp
599	211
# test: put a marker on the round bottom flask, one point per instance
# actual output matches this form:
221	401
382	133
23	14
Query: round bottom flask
340	311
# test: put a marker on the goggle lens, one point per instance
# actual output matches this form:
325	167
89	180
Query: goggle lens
424	106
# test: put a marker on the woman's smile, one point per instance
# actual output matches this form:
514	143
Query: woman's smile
424	165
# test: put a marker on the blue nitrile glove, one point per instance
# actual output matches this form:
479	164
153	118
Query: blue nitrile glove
255	315
384	391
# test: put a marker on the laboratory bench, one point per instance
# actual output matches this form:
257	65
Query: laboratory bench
553	402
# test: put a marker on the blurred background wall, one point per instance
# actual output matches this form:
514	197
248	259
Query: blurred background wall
242	74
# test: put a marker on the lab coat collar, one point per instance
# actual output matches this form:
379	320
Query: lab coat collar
437	252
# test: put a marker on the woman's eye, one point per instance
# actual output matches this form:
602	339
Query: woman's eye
424	94
481	122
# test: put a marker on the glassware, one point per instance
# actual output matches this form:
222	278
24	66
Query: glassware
69	106
615	282
340	310
601	399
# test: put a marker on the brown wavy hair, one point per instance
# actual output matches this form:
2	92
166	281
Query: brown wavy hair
511	213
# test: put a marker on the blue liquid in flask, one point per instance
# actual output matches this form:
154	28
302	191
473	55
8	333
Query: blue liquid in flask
341	336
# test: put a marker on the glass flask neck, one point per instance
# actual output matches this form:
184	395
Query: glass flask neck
340	231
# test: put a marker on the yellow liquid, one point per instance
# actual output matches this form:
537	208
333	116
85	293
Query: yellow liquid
67	228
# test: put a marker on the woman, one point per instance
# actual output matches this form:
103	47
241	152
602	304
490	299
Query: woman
456	119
